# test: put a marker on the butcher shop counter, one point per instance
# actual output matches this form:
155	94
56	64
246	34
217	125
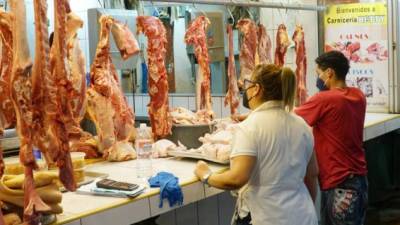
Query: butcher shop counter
89	209
86	209
378	124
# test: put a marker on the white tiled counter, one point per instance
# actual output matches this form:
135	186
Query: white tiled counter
88	209
377	124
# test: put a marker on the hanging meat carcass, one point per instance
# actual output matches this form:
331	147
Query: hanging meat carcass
79	139
264	45
124	39
232	95
282	44
60	92
7	112
196	36
107	105
158	107
301	65
248	49
22	101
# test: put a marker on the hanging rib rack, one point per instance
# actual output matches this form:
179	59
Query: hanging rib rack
246	3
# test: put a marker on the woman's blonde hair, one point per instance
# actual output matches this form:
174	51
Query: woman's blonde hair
277	83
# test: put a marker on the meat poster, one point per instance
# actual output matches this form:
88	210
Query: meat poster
359	31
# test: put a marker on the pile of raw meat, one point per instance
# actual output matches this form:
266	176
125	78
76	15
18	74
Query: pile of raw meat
217	145
183	116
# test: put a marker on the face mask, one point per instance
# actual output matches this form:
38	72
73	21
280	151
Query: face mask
321	85
246	100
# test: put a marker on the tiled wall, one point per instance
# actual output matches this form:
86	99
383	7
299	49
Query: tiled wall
141	101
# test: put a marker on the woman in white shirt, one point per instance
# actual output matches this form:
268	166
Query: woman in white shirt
272	154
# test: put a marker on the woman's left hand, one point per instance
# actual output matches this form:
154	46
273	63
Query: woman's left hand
202	169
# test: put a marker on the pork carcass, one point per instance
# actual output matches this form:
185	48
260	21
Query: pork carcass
301	65
158	107
124	39
22	101
248	49
282	44
232	95
264	45
196	35
79	140
107	105
7	111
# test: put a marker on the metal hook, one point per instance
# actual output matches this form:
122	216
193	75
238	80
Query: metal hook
201	11
249	12
230	13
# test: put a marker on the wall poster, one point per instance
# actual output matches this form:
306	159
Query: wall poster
359	31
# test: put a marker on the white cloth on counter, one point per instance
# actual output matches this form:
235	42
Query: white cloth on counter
92	189
283	145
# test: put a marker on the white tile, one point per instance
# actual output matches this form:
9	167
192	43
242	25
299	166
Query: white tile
82	31
217	107
226	110
167	218
208	211
129	99
187	215
123	215
146	101
226	206
374	131
192	103
211	191
191	193
180	102
139	105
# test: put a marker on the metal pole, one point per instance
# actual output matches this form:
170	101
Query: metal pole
247	3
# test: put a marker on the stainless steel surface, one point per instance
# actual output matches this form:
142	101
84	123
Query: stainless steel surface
189	135
273	5
9	143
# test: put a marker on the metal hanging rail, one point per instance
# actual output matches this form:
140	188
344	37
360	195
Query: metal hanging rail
246	3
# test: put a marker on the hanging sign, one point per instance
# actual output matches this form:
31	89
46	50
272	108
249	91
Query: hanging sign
359	31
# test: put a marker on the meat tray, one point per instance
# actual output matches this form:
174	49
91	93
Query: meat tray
196	155
189	135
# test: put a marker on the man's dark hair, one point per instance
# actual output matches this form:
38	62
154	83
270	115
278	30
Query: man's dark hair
336	61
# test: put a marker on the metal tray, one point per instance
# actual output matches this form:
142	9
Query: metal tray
195	155
89	178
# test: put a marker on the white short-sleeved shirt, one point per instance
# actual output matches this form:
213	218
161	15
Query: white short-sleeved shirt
283	144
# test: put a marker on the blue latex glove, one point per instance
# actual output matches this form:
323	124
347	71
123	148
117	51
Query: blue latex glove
169	188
